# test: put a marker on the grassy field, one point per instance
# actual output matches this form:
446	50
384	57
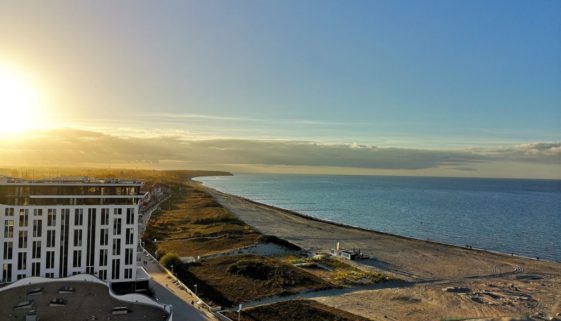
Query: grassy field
193	223
229	280
295	310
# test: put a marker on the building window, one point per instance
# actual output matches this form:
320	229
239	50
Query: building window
130	215
35	269
104	236
128	273
77	259
128	256
23	217
116	246
115	269
50	262
9	211
36	252
51	238
103	274
38	212
22	240
49	275
129	236
117	226
9	228
22	261
104	216
8	250
77	237
7	272
51	217
117	211
37	228
103	257
78	217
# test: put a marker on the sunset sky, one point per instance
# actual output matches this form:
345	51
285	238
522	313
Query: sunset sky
446	88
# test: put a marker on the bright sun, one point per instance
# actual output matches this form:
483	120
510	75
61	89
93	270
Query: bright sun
19	102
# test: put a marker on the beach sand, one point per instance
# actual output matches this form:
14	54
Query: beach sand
429	268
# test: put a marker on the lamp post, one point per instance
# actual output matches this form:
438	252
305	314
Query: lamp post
196	289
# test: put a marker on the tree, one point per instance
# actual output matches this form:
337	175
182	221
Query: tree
171	259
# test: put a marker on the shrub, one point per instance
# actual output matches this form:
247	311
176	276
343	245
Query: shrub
251	269
160	253
171	259
273	275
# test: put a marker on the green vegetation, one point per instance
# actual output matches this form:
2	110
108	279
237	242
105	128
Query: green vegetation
193	224
295	310
229	280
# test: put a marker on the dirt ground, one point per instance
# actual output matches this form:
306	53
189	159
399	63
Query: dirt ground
295	310
516	297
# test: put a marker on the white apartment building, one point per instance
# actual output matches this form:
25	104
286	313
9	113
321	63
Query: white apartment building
62	227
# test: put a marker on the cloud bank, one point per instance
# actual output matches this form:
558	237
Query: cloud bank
80	147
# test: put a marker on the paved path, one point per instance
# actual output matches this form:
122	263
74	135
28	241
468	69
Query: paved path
165	290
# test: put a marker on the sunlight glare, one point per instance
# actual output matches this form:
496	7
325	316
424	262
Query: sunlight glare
19	102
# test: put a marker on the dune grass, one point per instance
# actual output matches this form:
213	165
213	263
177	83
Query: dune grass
228	280
338	272
194	224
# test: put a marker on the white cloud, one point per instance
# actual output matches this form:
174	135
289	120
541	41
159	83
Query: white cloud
75	147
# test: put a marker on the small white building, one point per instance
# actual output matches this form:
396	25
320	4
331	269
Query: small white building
62	227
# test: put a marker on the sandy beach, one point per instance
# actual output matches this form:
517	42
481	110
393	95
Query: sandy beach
432	269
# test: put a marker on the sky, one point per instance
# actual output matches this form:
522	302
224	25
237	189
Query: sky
440	88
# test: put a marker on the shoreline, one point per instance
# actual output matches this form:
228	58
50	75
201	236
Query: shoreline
343	225
440	280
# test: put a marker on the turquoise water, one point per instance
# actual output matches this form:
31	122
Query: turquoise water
507	215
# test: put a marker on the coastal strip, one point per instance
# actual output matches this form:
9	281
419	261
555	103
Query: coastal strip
419	260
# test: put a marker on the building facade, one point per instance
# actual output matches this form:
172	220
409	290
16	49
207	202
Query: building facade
62	227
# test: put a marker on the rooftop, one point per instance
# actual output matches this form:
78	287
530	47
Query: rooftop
71	300
70	181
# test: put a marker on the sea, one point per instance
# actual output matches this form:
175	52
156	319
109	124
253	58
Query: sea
517	216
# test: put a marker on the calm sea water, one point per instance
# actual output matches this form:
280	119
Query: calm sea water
506	215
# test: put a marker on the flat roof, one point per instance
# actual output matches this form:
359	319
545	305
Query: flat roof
69	181
88	301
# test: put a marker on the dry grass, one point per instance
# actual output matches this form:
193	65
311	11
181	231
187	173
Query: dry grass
195	224
337	272
229	280
295	310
